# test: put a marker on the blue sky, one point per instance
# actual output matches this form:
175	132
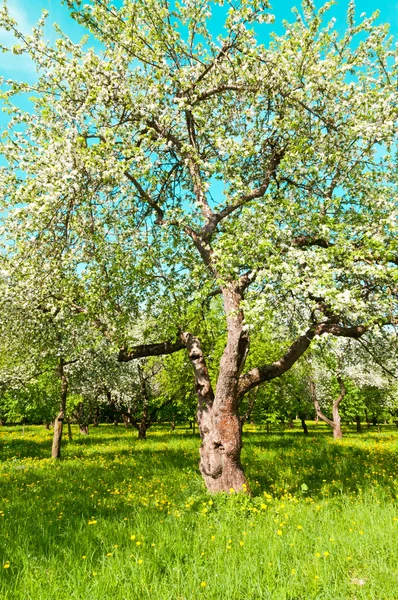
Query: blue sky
27	13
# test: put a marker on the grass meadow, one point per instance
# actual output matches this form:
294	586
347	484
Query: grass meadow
123	519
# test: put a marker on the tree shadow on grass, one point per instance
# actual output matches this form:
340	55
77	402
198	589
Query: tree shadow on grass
282	462
138	486
320	467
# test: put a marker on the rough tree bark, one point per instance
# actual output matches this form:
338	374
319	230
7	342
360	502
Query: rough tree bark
59	421
218	415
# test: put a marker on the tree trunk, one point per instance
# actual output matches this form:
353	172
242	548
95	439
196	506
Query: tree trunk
143	423
46	425
111	401
337	433
126	420
358	422
335	424
142	430
59	421
69	431
82	419
304	424
218	417
96	417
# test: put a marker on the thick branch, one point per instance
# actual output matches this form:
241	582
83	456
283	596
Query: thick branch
276	369
267	372
342	391
317	407
144	350
306	241
204	389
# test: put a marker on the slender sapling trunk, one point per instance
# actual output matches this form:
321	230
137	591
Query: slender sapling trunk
59	421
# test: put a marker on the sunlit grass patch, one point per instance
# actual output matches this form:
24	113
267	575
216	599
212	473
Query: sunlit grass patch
127	519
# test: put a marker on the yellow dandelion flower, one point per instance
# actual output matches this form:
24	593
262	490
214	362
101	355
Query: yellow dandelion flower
7	565
203	584
326	554
299	526
140	561
279	532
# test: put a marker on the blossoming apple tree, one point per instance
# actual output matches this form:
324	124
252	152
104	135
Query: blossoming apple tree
171	166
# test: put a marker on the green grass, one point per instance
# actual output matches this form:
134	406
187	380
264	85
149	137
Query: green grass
122	519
